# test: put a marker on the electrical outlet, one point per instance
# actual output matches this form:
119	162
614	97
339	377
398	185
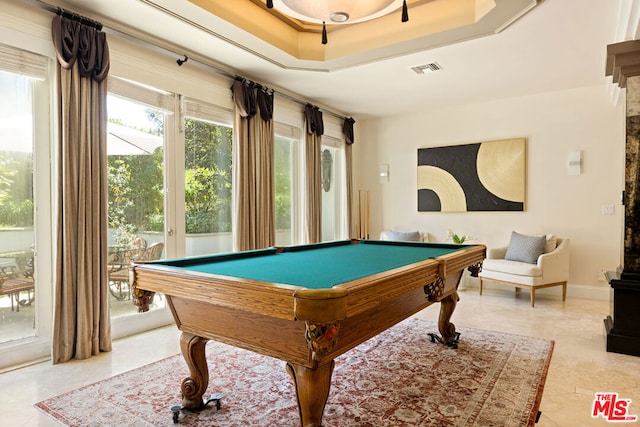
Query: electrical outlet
607	209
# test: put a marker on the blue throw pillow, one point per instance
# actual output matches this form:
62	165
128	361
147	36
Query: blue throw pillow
525	248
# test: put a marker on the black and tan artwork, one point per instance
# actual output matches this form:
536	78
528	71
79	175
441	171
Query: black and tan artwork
485	176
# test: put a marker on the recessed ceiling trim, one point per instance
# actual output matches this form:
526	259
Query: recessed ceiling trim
506	11
514	18
227	39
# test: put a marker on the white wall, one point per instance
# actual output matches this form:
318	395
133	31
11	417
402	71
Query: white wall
554	124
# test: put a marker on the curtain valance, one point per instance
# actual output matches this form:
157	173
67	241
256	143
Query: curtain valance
347	130
73	41
250	97
313	116
265	102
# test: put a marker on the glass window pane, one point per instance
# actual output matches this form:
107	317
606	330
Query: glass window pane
208	177
136	194
17	284
333	185
284	169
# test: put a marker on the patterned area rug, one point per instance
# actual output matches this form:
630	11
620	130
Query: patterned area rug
399	378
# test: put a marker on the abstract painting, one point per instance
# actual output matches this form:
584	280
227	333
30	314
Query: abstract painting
485	176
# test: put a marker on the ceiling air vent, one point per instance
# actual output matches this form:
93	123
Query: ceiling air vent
427	68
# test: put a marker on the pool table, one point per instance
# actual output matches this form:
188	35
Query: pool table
304	304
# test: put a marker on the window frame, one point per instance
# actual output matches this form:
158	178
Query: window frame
294	135
38	68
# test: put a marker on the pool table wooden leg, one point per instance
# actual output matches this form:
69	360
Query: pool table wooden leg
447	306
312	391
194	386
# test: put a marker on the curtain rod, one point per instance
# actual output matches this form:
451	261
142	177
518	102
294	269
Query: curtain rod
82	19
203	64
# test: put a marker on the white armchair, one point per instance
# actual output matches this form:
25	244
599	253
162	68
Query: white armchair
551	269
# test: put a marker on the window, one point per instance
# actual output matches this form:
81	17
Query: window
25	207
135	175
287	191
16	207
208	174
139	120
333	189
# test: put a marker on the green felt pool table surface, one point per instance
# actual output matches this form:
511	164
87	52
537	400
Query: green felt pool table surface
318	266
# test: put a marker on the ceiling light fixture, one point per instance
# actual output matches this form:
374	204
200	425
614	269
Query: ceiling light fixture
339	17
338	11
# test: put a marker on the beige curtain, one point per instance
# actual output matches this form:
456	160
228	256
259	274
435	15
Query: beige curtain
347	130
81	325
266	192
253	185
313	181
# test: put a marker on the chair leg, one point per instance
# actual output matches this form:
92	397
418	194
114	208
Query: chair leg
15	296
481	286
564	291
533	296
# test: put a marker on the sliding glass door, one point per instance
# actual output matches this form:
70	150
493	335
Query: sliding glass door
136	134
208	136
25	208
135	195
17	238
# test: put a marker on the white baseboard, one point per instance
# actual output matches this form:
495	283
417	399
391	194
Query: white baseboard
602	292
589	292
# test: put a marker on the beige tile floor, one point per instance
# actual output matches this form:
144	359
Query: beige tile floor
580	366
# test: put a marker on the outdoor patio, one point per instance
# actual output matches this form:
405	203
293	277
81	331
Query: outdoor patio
15	325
